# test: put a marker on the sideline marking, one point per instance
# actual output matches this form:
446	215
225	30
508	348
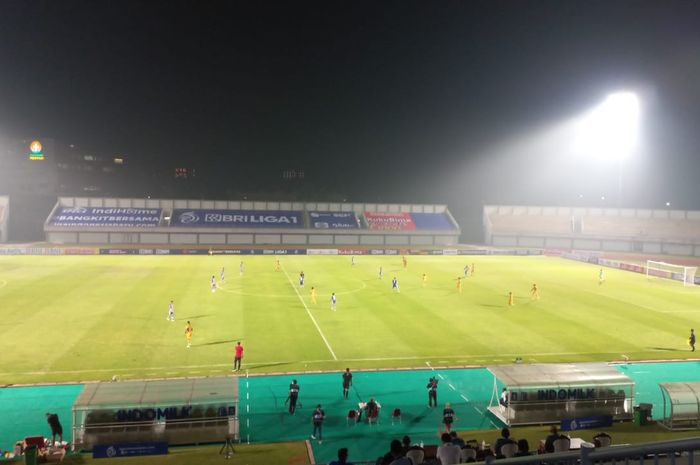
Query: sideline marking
308	362
308	312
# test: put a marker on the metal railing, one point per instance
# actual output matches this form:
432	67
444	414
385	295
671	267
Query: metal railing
679	451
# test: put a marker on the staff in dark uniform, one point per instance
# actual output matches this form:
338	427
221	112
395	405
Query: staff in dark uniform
56	428
691	340
347	382
432	392
293	396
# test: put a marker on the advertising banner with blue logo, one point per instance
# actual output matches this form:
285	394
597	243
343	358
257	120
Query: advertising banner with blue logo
104	451
333	220
194	218
101	216
599	421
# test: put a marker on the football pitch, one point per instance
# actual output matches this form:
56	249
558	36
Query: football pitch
78	318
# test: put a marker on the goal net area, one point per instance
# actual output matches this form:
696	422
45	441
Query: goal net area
685	274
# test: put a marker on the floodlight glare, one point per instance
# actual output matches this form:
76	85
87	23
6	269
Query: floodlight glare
610	130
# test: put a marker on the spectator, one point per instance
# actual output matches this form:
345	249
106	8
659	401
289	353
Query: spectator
456	440
549	440
406	443
448	453
523	448
504	439
56	428
395	456
342	457
602	440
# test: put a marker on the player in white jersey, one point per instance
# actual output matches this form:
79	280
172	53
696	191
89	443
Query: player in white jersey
223	275
466	270
301	279
213	283
241	268
381	272
334	300
352	261
601	276
171	311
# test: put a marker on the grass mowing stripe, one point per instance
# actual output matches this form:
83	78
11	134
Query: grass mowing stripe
291	283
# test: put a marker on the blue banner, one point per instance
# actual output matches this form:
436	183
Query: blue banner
236	218
101	216
600	421
333	220
432	221
104	451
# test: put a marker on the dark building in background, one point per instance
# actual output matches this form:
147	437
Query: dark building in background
35	171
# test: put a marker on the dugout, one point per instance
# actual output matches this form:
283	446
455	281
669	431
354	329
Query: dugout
181	411
548	393
681	405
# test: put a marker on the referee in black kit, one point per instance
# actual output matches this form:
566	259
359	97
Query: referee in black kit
293	396
432	392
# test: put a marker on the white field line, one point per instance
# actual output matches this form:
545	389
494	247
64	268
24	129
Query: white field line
308	312
281	362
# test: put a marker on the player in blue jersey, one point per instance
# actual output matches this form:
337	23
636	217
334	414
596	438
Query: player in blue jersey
395	284
213	283
334	301
381	272
466	270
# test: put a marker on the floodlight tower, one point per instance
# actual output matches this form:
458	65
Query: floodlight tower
610	131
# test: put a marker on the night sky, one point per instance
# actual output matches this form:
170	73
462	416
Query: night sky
431	101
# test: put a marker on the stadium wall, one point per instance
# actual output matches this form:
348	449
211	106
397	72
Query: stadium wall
545	229
4	215
163	232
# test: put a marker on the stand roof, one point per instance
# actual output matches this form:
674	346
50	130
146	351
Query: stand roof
559	374
134	394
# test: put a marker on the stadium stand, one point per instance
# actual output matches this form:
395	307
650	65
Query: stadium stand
89	220
4	202
528	224
672	232
651	228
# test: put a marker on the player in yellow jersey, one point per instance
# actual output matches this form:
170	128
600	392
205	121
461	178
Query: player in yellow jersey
278	266
405	262
511	301
535	292
188	334
425	279
313	295
459	284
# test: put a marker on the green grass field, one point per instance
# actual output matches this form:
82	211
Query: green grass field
88	318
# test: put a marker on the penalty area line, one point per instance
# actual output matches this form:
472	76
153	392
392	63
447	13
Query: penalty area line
308	312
